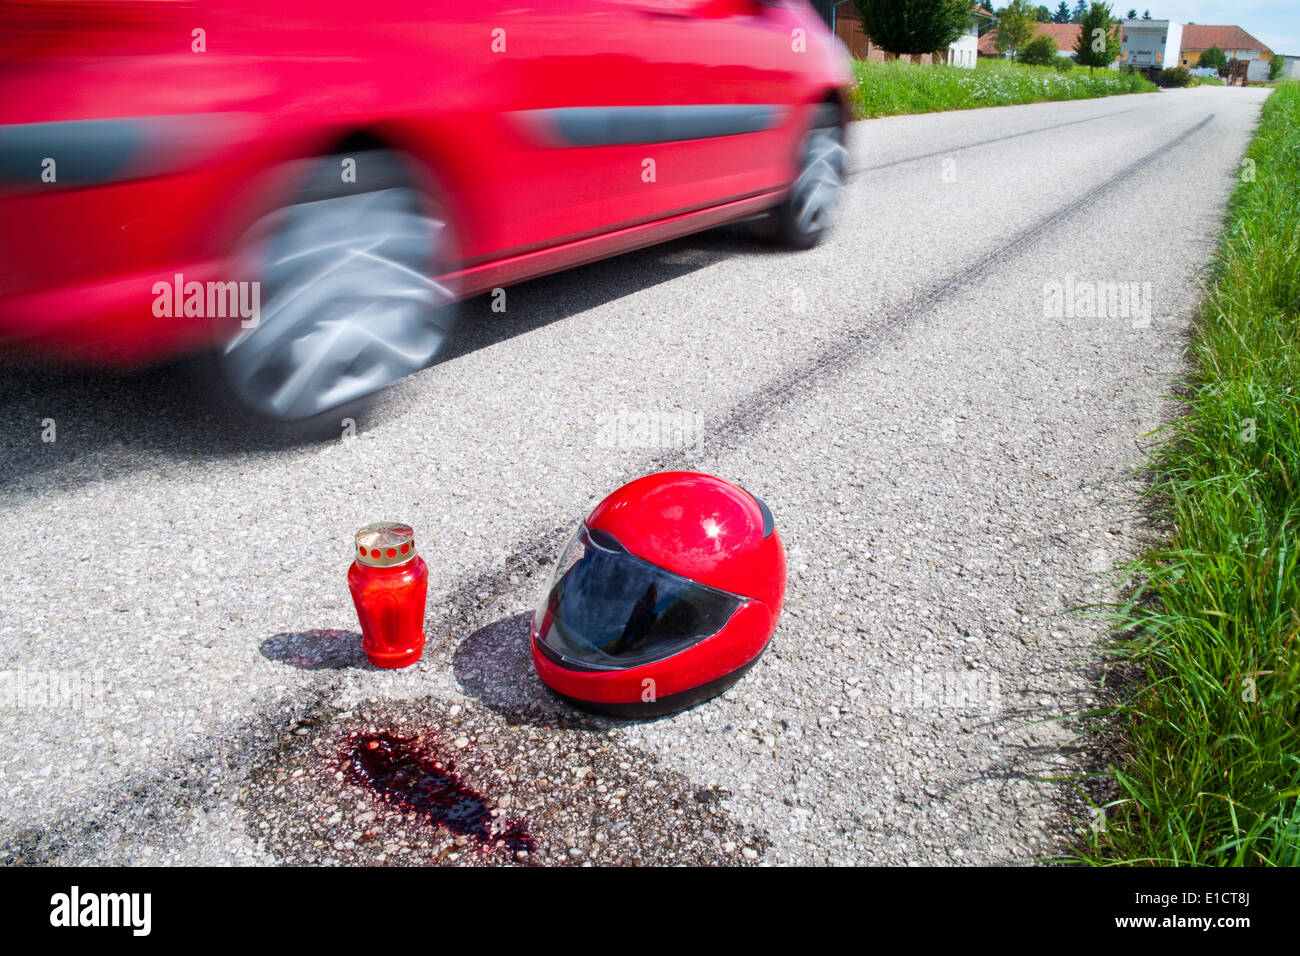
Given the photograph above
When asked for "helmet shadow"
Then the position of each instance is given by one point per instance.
(494, 666)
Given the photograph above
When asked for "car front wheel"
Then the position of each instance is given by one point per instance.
(806, 215)
(349, 303)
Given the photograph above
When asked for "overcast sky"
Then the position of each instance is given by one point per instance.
(1276, 22)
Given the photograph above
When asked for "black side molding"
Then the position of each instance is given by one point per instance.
(87, 153)
(623, 125)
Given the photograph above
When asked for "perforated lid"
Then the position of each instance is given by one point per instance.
(384, 544)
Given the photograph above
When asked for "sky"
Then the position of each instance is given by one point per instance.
(1276, 22)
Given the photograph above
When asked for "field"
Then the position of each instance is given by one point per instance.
(896, 87)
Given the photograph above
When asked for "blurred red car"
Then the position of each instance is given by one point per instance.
(302, 189)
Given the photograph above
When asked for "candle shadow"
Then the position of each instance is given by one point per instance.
(317, 650)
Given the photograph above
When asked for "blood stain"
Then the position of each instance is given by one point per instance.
(404, 774)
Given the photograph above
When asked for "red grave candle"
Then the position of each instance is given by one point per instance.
(389, 582)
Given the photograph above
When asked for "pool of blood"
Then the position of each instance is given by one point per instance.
(405, 774)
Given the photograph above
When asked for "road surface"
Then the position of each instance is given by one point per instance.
(944, 425)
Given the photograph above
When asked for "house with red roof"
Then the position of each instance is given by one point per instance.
(1232, 40)
(1158, 43)
(1066, 36)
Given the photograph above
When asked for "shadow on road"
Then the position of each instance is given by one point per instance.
(323, 650)
(111, 425)
(494, 666)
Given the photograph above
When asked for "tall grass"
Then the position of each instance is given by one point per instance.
(1210, 768)
(888, 89)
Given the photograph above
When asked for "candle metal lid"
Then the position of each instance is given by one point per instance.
(384, 544)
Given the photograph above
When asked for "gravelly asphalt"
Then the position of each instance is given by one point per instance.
(951, 468)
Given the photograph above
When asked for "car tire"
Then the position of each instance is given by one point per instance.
(348, 301)
(807, 213)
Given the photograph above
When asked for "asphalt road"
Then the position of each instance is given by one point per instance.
(949, 457)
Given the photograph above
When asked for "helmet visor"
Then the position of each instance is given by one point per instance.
(606, 609)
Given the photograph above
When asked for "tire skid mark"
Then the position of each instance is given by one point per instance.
(948, 151)
(492, 584)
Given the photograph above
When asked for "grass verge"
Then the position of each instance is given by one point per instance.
(889, 89)
(1210, 766)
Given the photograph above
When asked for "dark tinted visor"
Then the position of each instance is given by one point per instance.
(607, 609)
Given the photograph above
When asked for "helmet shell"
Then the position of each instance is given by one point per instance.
(699, 527)
(709, 531)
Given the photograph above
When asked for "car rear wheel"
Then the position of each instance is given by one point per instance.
(349, 304)
(806, 215)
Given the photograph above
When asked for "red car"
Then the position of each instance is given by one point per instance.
(301, 190)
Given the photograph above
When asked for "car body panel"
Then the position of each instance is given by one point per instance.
(536, 145)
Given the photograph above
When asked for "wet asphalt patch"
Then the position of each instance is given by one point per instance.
(425, 783)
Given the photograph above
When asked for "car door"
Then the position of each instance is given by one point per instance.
(615, 113)
(704, 107)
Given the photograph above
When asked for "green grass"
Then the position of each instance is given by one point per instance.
(888, 89)
(1209, 771)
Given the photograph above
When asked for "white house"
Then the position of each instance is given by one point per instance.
(965, 50)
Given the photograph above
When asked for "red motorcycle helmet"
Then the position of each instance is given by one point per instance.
(664, 597)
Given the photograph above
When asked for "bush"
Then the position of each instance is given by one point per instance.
(1175, 76)
(1214, 58)
(1063, 64)
(1040, 51)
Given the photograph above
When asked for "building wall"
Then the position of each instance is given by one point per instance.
(1257, 70)
(964, 51)
(825, 8)
(1193, 57)
(849, 29)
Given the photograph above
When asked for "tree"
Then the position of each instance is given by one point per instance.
(1214, 58)
(1099, 41)
(1146, 14)
(914, 26)
(1062, 14)
(1040, 51)
(1015, 27)
(1080, 10)
(1132, 14)
(1042, 14)
(1276, 67)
